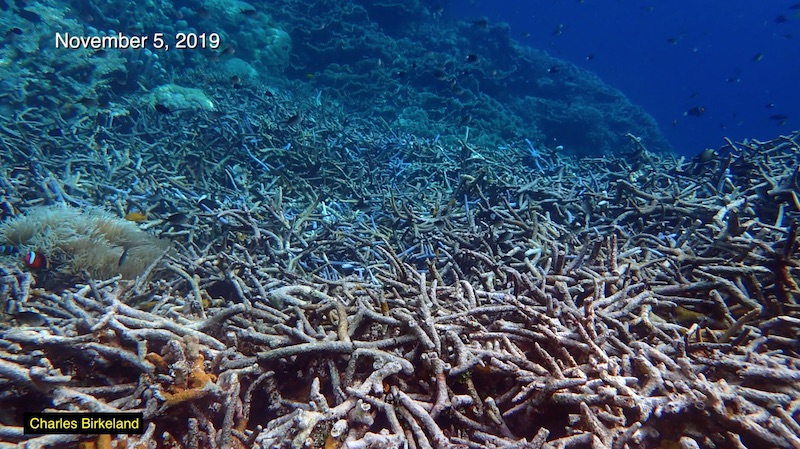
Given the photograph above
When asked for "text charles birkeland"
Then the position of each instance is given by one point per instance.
(83, 423)
(153, 41)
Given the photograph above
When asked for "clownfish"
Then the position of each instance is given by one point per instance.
(35, 260)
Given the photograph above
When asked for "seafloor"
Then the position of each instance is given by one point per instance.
(275, 270)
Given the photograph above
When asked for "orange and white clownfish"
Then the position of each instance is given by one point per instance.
(35, 260)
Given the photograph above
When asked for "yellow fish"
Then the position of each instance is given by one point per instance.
(135, 217)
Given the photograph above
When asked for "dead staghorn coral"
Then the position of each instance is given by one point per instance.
(561, 358)
(415, 295)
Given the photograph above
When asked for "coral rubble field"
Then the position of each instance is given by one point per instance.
(262, 265)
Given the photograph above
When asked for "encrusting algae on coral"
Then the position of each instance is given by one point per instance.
(199, 385)
(190, 380)
(157, 361)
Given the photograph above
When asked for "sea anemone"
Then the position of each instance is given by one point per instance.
(77, 240)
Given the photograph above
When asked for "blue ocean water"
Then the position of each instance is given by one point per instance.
(738, 60)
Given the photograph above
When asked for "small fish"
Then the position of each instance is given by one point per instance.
(589, 57)
(471, 58)
(30, 16)
(465, 120)
(526, 35)
(769, 105)
(706, 156)
(481, 23)
(672, 41)
(758, 57)
(795, 6)
(123, 257)
(135, 217)
(696, 111)
(440, 74)
(178, 218)
(294, 120)
(35, 260)
(29, 318)
(778, 117)
(553, 69)
(13, 32)
(248, 12)
(162, 109)
(558, 30)
(88, 102)
(207, 204)
(781, 19)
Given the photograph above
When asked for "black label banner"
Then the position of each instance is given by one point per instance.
(83, 423)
